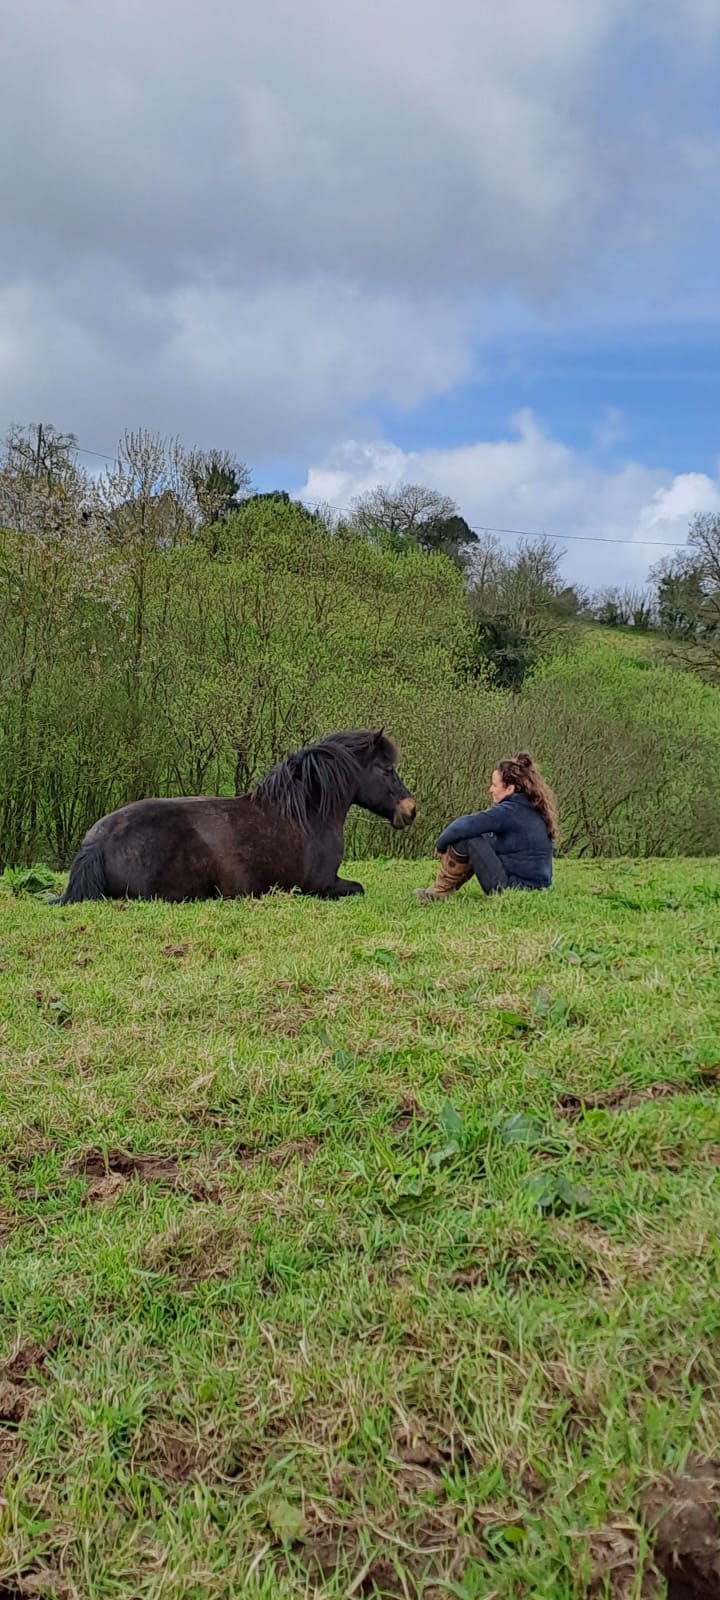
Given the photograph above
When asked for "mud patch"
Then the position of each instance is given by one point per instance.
(105, 1191)
(683, 1511)
(337, 1549)
(40, 1583)
(469, 1278)
(14, 1403)
(17, 1161)
(16, 1376)
(568, 1259)
(111, 1172)
(174, 1455)
(407, 1115)
(439, 1453)
(54, 1008)
(280, 1155)
(176, 951)
(681, 1514)
(622, 1098)
(614, 1555)
(29, 1358)
(162, 1170)
(428, 1561)
(420, 1467)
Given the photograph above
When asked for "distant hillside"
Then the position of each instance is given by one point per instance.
(143, 654)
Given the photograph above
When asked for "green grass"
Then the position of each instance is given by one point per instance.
(361, 1334)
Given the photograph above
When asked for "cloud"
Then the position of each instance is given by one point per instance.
(532, 481)
(286, 360)
(443, 140)
(245, 223)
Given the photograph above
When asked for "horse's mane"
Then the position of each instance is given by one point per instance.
(315, 780)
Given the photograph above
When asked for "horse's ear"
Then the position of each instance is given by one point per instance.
(379, 738)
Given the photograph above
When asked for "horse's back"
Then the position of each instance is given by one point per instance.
(196, 847)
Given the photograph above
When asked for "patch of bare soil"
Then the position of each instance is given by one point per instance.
(176, 1456)
(614, 1554)
(427, 1444)
(469, 1278)
(9, 1451)
(622, 1098)
(38, 1583)
(162, 1170)
(17, 1161)
(14, 1403)
(30, 1358)
(337, 1548)
(422, 1551)
(279, 1155)
(681, 1514)
(55, 1009)
(16, 1377)
(419, 1467)
(408, 1113)
(424, 1558)
(15, 1380)
(111, 1172)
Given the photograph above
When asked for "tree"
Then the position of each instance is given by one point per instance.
(624, 608)
(43, 491)
(39, 453)
(52, 576)
(681, 599)
(521, 610)
(688, 599)
(219, 481)
(412, 516)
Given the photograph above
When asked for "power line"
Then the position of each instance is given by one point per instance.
(82, 451)
(514, 533)
(535, 533)
(587, 538)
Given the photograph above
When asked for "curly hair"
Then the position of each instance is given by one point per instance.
(524, 777)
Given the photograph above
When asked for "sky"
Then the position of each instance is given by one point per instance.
(441, 241)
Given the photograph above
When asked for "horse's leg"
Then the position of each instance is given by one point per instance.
(326, 853)
(339, 889)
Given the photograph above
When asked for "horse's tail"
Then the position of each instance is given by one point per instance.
(88, 878)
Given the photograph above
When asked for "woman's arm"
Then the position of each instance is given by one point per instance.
(491, 821)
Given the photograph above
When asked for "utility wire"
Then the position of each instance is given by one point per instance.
(514, 533)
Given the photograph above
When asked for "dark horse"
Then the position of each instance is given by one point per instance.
(287, 834)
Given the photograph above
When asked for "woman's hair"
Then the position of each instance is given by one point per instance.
(525, 778)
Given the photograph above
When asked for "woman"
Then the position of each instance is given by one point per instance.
(508, 847)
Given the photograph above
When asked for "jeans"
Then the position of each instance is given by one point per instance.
(485, 862)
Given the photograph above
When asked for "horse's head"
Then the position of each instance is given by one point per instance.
(380, 788)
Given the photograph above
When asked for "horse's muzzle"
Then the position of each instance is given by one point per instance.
(405, 812)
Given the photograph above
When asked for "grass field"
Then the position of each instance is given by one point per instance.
(357, 1249)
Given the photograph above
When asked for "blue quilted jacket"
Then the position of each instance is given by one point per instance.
(520, 839)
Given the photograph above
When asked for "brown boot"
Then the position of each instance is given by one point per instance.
(453, 872)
